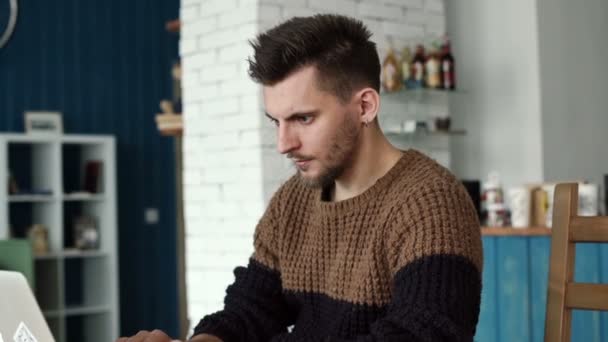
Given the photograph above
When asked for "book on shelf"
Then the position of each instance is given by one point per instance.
(93, 176)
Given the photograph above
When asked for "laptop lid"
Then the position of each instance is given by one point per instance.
(20, 316)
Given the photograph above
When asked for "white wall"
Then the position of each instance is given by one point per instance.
(574, 78)
(497, 66)
(231, 167)
(223, 190)
(536, 81)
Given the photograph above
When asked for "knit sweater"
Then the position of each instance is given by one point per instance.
(400, 262)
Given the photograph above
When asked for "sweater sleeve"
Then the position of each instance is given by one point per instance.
(434, 255)
(254, 306)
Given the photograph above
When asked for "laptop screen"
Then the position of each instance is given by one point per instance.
(20, 316)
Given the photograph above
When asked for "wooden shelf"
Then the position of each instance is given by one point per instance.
(173, 25)
(511, 231)
(170, 124)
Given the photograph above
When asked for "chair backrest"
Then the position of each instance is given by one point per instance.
(563, 294)
(16, 255)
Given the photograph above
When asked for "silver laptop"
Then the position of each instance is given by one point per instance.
(20, 317)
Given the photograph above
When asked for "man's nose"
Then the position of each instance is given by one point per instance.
(287, 140)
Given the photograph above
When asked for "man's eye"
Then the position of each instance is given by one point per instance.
(274, 121)
(305, 119)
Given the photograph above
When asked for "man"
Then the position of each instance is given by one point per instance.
(366, 242)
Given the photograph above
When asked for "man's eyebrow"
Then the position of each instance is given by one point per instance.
(311, 112)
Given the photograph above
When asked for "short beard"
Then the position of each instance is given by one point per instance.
(324, 180)
(340, 155)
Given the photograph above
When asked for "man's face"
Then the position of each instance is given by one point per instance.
(314, 129)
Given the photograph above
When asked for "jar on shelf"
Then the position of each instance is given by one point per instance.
(494, 211)
(497, 215)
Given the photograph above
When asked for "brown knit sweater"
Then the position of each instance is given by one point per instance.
(400, 262)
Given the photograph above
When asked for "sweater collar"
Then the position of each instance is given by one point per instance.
(370, 194)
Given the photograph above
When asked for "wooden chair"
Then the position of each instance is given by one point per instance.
(563, 293)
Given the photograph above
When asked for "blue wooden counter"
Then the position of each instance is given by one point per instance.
(514, 291)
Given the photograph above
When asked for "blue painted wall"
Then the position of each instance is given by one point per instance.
(105, 64)
(514, 293)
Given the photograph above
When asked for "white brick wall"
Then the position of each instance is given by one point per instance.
(231, 166)
(223, 189)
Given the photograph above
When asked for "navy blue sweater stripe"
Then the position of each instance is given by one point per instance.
(435, 298)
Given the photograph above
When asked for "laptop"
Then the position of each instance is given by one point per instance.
(20, 317)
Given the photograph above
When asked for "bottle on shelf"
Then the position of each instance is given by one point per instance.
(391, 72)
(406, 62)
(448, 72)
(417, 68)
(433, 72)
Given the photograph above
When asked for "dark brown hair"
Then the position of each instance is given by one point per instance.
(338, 46)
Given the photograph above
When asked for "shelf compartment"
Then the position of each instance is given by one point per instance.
(22, 215)
(33, 167)
(73, 210)
(47, 288)
(83, 168)
(90, 328)
(83, 279)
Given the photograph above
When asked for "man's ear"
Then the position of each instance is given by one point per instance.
(368, 103)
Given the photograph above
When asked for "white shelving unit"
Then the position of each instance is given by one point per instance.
(76, 289)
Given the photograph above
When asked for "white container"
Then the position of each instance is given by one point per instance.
(491, 191)
(550, 191)
(518, 200)
(588, 200)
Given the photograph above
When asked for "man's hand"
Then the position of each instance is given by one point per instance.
(148, 336)
(205, 338)
(159, 336)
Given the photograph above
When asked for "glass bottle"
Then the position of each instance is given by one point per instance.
(391, 72)
(417, 67)
(448, 72)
